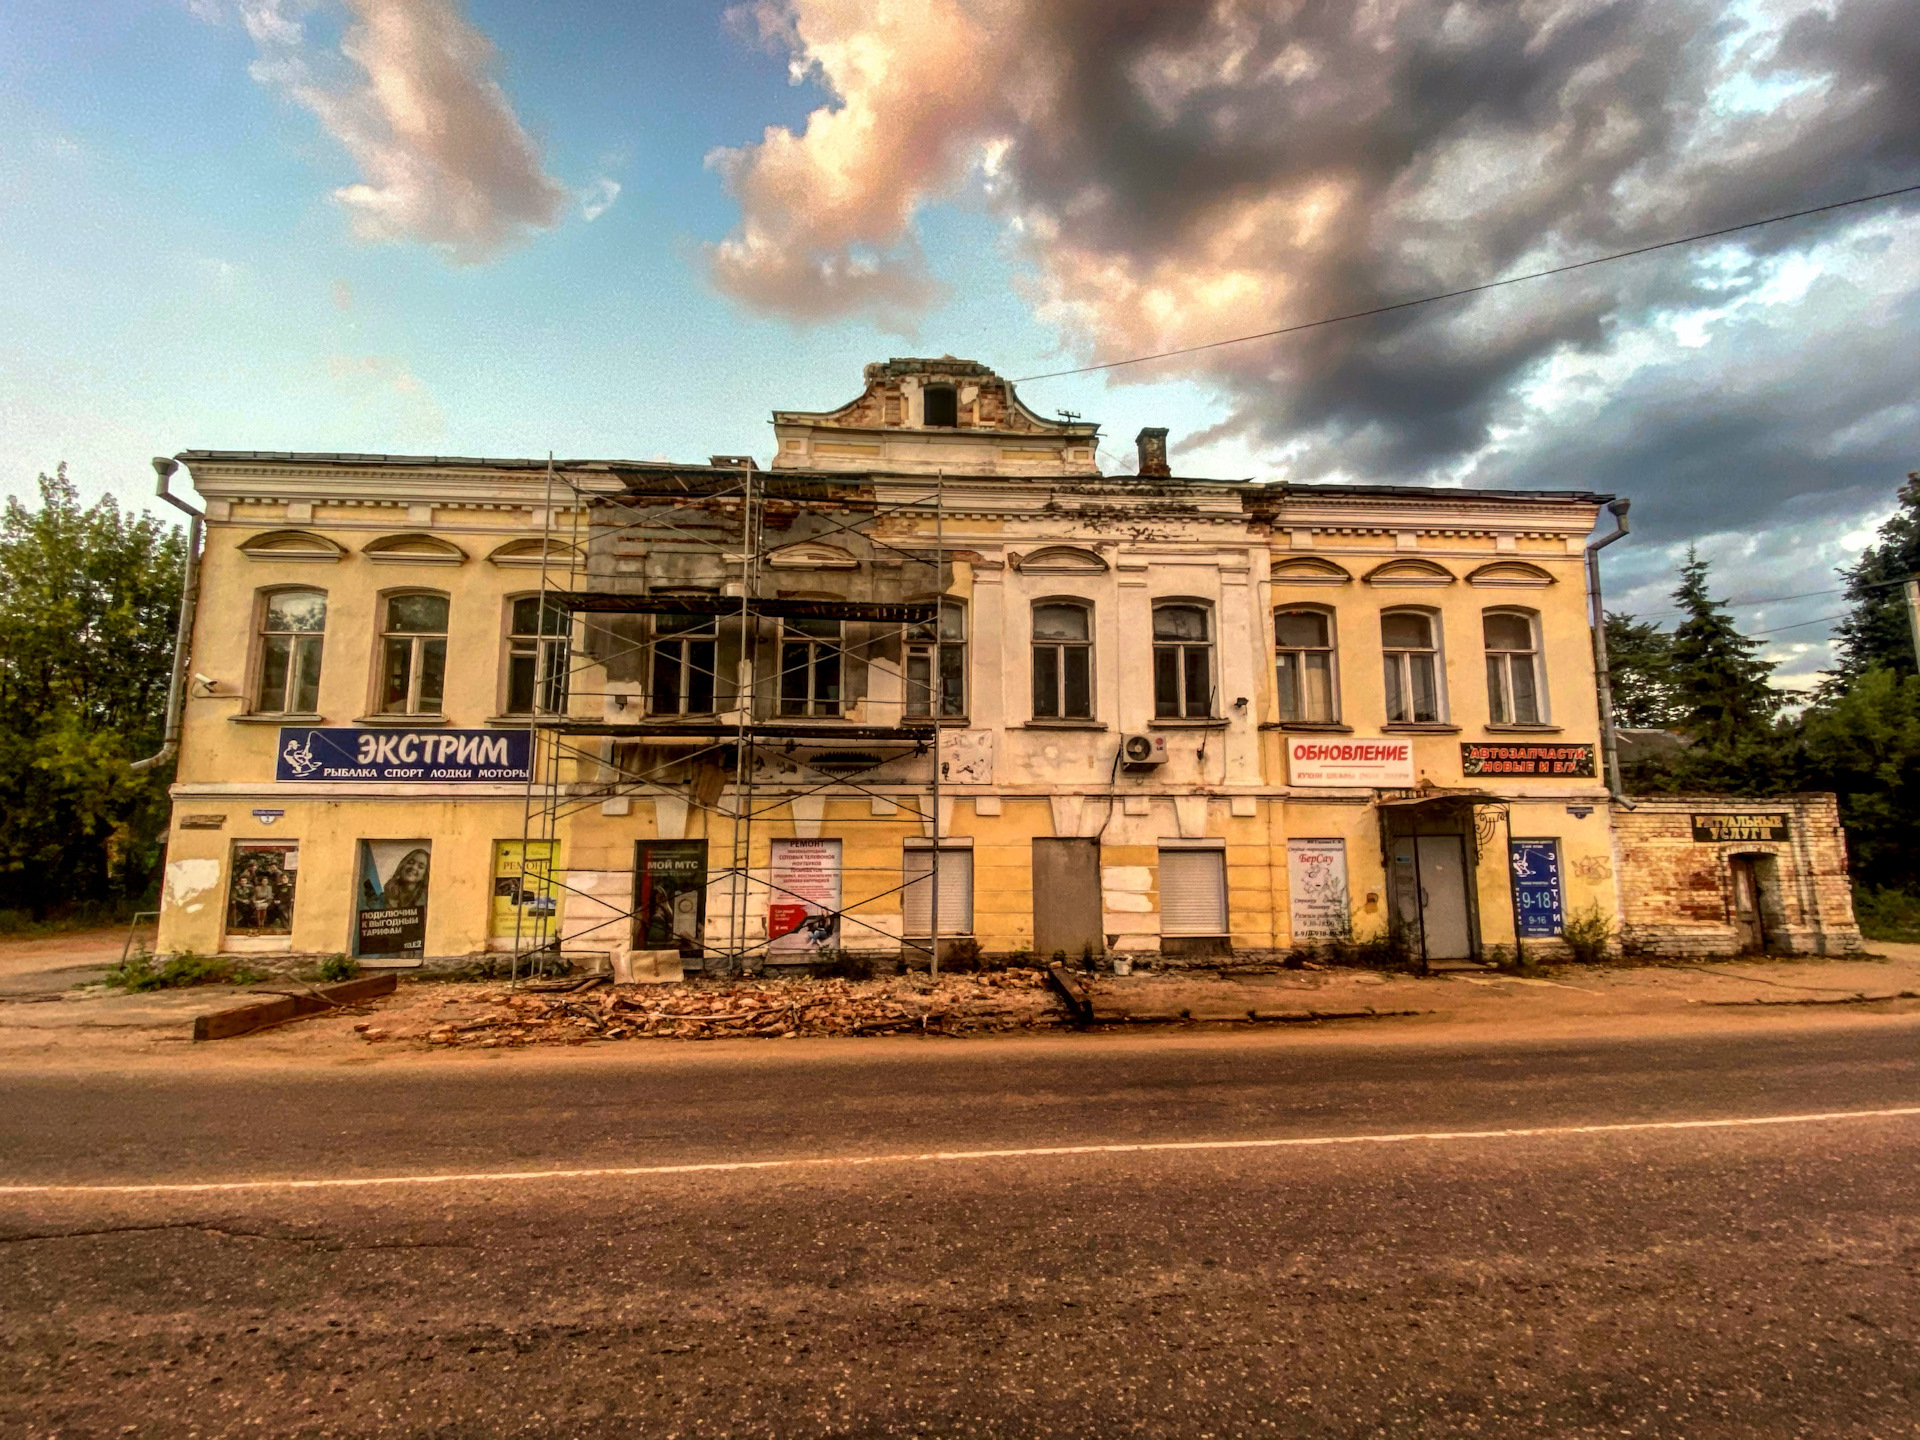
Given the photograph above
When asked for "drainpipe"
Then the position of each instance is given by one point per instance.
(1609, 746)
(189, 602)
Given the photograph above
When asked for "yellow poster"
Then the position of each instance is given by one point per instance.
(525, 899)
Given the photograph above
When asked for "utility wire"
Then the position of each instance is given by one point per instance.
(1777, 599)
(1469, 290)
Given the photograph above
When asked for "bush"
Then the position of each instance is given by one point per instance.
(139, 973)
(339, 967)
(1887, 914)
(1586, 934)
(1386, 949)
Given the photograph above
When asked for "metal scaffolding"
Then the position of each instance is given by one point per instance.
(660, 575)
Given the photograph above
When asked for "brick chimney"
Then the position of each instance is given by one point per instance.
(1153, 451)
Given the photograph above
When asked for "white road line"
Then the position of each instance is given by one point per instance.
(832, 1162)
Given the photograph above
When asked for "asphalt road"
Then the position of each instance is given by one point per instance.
(1726, 1280)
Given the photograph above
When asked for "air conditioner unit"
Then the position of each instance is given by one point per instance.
(1137, 752)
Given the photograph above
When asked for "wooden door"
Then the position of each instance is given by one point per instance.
(1066, 898)
(1746, 907)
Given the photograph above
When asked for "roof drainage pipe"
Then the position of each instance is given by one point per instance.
(189, 602)
(1609, 745)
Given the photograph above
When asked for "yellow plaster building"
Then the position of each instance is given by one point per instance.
(438, 707)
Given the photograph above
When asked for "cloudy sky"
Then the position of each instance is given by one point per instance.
(475, 227)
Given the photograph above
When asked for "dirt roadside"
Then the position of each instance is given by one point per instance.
(47, 1021)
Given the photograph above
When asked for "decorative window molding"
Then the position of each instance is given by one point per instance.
(1516, 574)
(413, 550)
(1415, 573)
(1060, 560)
(1310, 570)
(527, 553)
(299, 545)
(812, 555)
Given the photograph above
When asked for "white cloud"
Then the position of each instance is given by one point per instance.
(598, 198)
(411, 96)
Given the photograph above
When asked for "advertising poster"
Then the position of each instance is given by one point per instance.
(1539, 910)
(392, 919)
(669, 895)
(525, 899)
(412, 757)
(260, 889)
(1314, 760)
(1478, 758)
(1317, 882)
(803, 908)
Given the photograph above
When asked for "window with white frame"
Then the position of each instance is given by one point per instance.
(413, 661)
(1193, 892)
(537, 656)
(1513, 668)
(1409, 643)
(1303, 665)
(293, 626)
(810, 667)
(1062, 660)
(684, 647)
(956, 889)
(937, 664)
(1182, 662)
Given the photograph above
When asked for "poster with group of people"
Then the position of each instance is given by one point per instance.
(260, 889)
(391, 923)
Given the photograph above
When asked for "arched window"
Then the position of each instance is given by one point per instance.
(1513, 668)
(1062, 660)
(1410, 643)
(683, 663)
(413, 660)
(293, 626)
(1182, 662)
(809, 667)
(1303, 665)
(939, 405)
(937, 664)
(537, 659)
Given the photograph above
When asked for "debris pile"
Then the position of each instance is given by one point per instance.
(714, 1010)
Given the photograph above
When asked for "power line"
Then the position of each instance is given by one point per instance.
(1799, 625)
(1779, 599)
(1469, 290)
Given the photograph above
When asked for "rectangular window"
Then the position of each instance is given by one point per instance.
(683, 664)
(810, 667)
(1062, 662)
(956, 890)
(1182, 663)
(1513, 669)
(1303, 665)
(937, 664)
(260, 888)
(1412, 667)
(292, 631)
(537, 657)
(413, 670)
(1193, 892)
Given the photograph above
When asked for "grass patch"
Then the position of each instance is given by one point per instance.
(1887, 915)
(140, 973)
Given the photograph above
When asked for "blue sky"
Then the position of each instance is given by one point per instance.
(1029, 185)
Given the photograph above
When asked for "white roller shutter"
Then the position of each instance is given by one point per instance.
(1193, 892)
(956, 891)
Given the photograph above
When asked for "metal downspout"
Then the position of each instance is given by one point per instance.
(1609, 746)
(183, 633)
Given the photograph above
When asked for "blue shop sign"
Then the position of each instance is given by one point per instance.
(1539, 909)
(420, 757)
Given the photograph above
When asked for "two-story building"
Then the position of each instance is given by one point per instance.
(441, 706)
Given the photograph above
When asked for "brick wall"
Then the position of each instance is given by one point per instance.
(1676, 892)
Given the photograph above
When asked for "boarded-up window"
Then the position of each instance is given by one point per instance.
(1193, 892)
(956, 890)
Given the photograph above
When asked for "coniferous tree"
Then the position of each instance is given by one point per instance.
(1876, 631)
(1719, 683)
(1640, 674)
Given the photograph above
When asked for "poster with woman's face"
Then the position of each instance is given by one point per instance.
(260, 889)
(392, 919)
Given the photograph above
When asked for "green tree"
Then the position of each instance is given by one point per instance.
(88, 597)
(1640, 672)
(1719, 685)
(1876, 632)
(1864, 744)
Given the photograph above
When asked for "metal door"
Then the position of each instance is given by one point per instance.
(1746, 907)
(1066, 898)
(1430, 894)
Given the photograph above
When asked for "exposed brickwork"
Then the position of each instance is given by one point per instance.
(1676, 892)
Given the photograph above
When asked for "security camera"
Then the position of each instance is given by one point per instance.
(206, 680)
